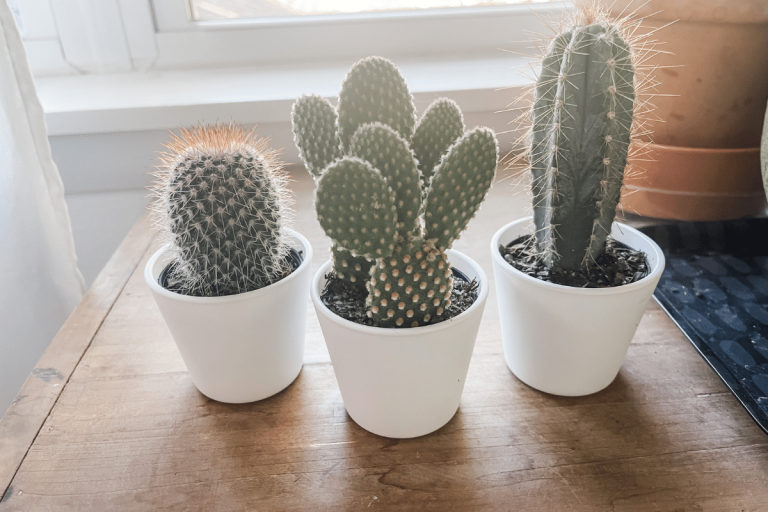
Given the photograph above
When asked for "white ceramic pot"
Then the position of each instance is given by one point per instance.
(402, 383)
(564, 340)
(239, 348)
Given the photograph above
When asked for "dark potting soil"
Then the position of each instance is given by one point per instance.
(348, 301)
(294, 259)
(618, 265)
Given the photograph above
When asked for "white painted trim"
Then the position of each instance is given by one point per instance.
(92, 35)
(46, 58)
(139, 29)
(440, 33)
(161, 100)
(172, 15)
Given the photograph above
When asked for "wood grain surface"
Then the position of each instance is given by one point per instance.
(129, 431)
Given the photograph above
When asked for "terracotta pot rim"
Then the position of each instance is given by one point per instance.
(703, 151)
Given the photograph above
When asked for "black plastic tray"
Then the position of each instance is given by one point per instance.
(715, 288)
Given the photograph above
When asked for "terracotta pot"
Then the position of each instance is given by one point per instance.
(714, 97)
(695, 184)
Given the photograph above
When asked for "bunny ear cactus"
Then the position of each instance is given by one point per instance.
(582, 117)
(370, 212)
(222, 203)
(394, 192)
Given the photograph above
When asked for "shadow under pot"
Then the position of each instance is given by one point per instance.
(244, 347)
(565, 340)
(405, 382)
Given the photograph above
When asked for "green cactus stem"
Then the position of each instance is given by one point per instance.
(439, 128)
(222, 204)
(582, 118)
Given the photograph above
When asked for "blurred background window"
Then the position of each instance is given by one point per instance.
(207, 10)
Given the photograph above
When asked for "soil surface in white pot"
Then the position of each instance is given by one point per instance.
(617, 266)
(292, 261)
(348, 301)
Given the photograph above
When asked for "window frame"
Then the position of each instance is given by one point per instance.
(420, 34)
(117, 36)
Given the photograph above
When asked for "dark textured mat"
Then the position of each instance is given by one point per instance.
(715, 288)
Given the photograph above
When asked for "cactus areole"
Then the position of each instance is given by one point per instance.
(222, 204)
(393, 194)
(582, 117)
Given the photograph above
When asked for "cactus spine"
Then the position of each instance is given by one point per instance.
(373, 201)
(222, 204)
(582, 117)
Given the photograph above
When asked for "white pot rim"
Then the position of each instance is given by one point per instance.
(615, 290)
(402, 332)
(155, 286)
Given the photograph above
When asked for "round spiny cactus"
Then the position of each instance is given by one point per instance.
(222, 204)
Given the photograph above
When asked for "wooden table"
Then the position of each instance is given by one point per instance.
(109, 420)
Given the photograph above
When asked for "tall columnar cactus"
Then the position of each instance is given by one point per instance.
(222, 204)
(582, 117)
(374, 201)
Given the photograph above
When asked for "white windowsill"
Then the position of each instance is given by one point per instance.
(160, 100)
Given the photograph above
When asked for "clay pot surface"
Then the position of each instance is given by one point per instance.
(709, 107)
(695, 184)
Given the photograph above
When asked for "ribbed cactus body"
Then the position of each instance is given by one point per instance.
(314, 132)
(375, 91)
(223, 204)
(582, 118)
(370, 201)
(411, 287)
(439, 128)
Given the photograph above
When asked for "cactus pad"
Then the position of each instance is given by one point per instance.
(356, 208)
(460, 185)
(385, 150)
(350, 268)
(314, 132)
(374, 90)
(440, 127)
(412, 287)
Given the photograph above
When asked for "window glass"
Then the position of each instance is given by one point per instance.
(206, 10)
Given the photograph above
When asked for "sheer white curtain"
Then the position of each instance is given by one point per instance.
(40, 284)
